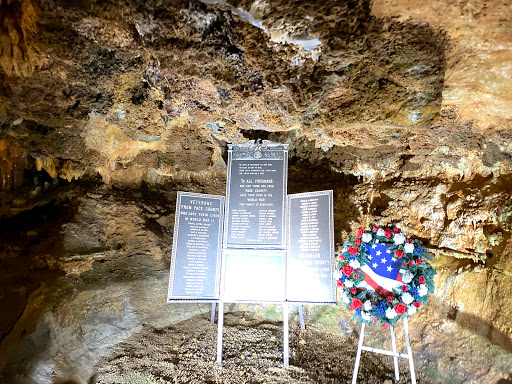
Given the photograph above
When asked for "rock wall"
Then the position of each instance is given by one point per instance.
(107, 109)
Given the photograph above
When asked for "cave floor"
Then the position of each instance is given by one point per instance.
(252, 353)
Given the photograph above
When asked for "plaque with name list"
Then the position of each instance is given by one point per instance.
(256, 195)
(261, 246)
(196, 250)
(310, 263)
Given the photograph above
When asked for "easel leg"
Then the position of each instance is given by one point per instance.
(301, 317)
(286, 346)
(358, 354)
(395, 359)
(219, 332)
(409, 351)
(212, 317)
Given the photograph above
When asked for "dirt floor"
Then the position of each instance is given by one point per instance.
(252, 353)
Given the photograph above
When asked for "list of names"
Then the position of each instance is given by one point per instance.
(310, 249)
(199, 223)
(310, 240)
(256, 202)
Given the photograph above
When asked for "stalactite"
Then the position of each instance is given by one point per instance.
(48, 164)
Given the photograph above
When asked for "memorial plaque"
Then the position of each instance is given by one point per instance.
(253, 275)
(196, 250)
(256, 195)
(310, 263)
(274, 248)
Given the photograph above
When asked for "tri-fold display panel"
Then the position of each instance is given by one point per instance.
(263, 246)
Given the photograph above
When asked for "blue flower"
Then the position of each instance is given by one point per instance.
(358, 311)
(379, 311)
(351, 257)
(414, 292)
(382, 305)
(343, 278)
(418, 251)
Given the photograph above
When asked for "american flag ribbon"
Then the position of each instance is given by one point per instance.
(382, 273)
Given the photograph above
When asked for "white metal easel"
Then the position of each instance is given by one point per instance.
(394, 353)
(286, 329)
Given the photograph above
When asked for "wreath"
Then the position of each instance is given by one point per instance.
(384, 290)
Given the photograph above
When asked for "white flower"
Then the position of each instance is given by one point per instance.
(336, 274)
(354, 264)
(368, 305)
(381, 232)
(407, 276)
(365, 316)
(367, 237)
(409, 248)
(411, 309)
(399, 238)
(407, 298)
(344, 249)
(345, 298)
(422, 290)
(391, 313)
(349, 283)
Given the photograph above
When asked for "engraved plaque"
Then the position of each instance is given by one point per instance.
(253, 275)
(195, 265)
(310, 263)
(256, 195)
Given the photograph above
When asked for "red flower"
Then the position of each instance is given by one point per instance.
(411, 263)
(339, 283)
(388, 235)
(417, 304)
(353, 250)
(356, 303)
(353, 291)
(404, 288)
(409, 240)
(422, 279)
(399, 253)
(385, 325)
(397, 230)
(347, 270)
(342, 257)
(358, 241)
(375, 320)
(387, 229)
(419, 261)
(375, 228)
(360, 232)
(400, 308)
(390, 299)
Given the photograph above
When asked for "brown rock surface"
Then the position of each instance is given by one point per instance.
(107, 109)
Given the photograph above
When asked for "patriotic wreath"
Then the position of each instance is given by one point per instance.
(383, 275)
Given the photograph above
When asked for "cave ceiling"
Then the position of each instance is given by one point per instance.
(150, 92)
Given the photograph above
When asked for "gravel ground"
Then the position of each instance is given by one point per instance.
(252, 353)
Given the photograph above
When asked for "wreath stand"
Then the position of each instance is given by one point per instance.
(394, 353)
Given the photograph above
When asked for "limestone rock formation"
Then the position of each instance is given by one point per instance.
(107, 109)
